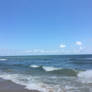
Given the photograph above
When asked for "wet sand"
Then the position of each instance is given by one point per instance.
(8, 86)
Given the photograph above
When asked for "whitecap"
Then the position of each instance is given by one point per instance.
(85, 76)
(2, 59)
(34, 66)
(47, 68)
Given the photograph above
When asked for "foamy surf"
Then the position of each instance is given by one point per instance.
(33, 82)
(29, 82)
(39, 73)
(85, 76)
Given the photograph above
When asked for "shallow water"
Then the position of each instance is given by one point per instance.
(56, 73)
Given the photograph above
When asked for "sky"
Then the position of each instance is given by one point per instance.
(34, 27)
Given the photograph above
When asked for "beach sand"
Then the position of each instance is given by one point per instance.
(8, 86)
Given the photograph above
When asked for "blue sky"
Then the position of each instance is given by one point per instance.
(45, 27)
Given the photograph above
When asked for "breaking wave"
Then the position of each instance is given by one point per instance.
(55, 70)
(85, 76)
(46, 68)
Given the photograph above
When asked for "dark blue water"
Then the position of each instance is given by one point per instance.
(51, 73)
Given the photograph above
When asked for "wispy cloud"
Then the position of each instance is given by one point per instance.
(79, 43)
(62, 45)
(76, 48)
(41, 51)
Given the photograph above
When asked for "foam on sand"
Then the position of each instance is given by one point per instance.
(29, 82)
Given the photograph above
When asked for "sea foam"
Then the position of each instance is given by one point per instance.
(85, 76)
(29, 82)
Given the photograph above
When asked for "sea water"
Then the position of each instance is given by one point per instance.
(49, 73)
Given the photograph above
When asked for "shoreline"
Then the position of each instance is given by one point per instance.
(8, 86)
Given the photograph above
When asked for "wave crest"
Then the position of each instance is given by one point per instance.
(3, 59)
(34, 66)
(56, 71)
(46, 68)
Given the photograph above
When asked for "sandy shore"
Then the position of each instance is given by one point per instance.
(8, 86)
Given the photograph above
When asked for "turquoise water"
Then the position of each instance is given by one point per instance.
(53, 73)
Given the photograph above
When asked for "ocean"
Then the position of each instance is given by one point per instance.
(49, 73)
